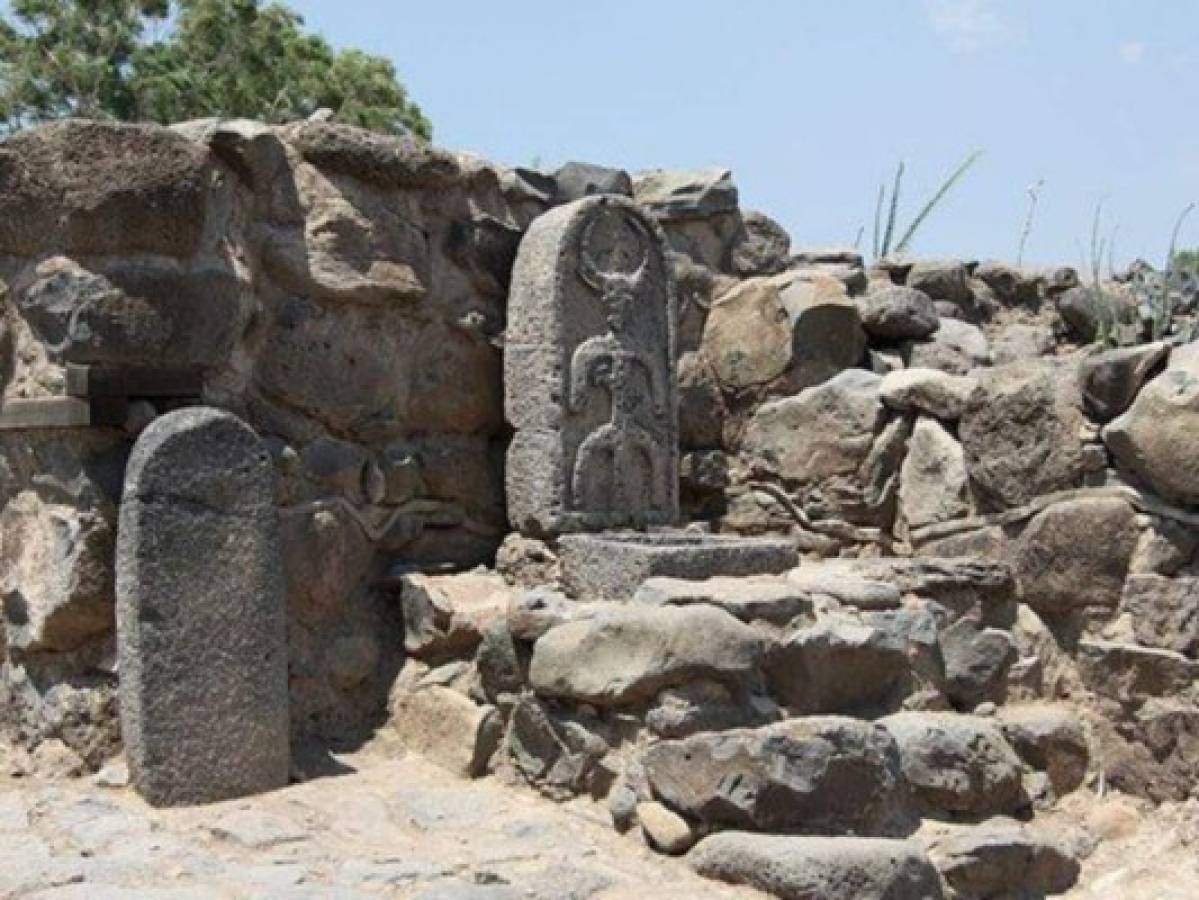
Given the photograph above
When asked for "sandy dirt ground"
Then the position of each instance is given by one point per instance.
(394, 826)
(386, 827)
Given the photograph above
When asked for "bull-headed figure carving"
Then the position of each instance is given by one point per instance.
(611, 361)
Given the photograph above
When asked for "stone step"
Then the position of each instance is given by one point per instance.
(802, 868)
(1001, 857)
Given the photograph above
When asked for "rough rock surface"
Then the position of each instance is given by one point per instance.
(897, 313)
(807, 672)
(1164, 611)
(1111, 379)
(799, 868)
(932, 481)
(927, 391)
(955, 347)
(957, 764)
(1003, 858)
(764, 249)
(1076, 554)
(976, 662)
(1151, 439)
(785, 333)
(1049, 739)
(818, 775)
(766, 598)
(823, 432)
(447, 728)
(54, 574)
(1020, 430)
(630, 653)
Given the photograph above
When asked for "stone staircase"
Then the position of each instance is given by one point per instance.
(891, 727)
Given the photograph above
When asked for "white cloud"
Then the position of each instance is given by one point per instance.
(1132, 52)
(965, 25)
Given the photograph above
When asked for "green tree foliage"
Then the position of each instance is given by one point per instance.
(170, 60)
(1187, 260)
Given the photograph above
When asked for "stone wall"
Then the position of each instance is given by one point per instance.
(341, 292)
(346, 295)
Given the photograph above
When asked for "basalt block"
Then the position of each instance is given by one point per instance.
(589, 373)
(612, 566)
(201, 621)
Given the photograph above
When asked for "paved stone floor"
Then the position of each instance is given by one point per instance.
(395, 828)
(389, 826)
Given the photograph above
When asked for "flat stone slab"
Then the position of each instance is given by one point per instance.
(611, 566)
(201, 621)
(765, 598)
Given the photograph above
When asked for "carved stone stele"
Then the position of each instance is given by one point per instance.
(201, 613)
(589, 384)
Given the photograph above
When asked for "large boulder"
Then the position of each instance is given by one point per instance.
(1089, 311)
(447, 728)
(807, 672)
(976, 662)
(927, 391)
(948, 580)
(823, 432)
(1022, 341)
(1076, 554)
(97, 188)
(1003, 858)
(839, 581)
(817, 775)
(897, 313)
(679, 194)
(696, 209)
(942, 279)
(309, 349)
(1020, 430)
(787, 332)
(446, 616)
(806, 868)
(955, 347)
(763, 249)
(1153, 439)
(764, 598)
(385, 161)
(326, 557)
(1130, 674)
(1164, 611)
(131, 313)
(1050, 739)
(631, 653)
(701, 408)
(55, 574)
(957, 764)
(932, 481)
(576, 180)
(1111, 380)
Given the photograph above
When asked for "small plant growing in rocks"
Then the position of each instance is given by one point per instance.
(884, 233)
(1162, 302)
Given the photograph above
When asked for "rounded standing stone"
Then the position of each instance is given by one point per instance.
(201, 622)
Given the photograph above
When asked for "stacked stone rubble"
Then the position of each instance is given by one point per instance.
(997, 516)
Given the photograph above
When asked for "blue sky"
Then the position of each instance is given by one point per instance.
(813, 102)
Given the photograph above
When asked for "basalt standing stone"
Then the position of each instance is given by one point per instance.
(201, 619)
(588, 373)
